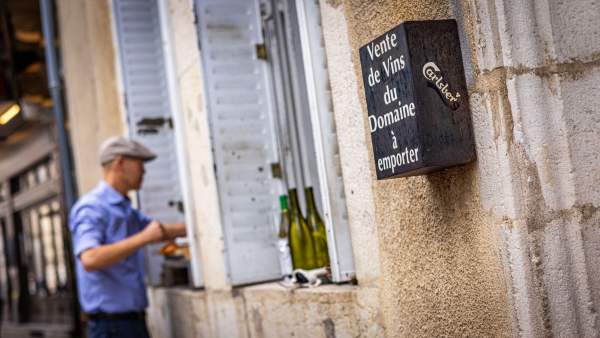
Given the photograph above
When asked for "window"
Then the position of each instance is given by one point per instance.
(34, 257)
(265, 79)
(148, 106)
(296, 43)
(44, 248)
(269, 108)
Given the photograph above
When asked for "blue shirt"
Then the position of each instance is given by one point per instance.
(104, 216)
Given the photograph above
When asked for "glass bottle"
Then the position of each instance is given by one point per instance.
(301, 240)
(317, 225)
(285, 256)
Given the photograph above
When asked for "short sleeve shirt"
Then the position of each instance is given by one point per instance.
(104, 216)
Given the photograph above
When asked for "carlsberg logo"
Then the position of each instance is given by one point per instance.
(432, 73)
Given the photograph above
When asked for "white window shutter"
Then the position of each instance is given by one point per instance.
(331, 185)
(149, 115)
(241, 114)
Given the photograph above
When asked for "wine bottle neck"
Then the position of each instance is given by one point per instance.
(310, 198)
(293, 200)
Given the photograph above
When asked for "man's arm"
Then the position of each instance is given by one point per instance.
(103, 256)
(174, 230)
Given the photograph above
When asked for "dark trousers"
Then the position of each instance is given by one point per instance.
(117, 328)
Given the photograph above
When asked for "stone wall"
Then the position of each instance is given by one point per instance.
(94, 106)
(262, 311)
(536, 101)
(441, 272)
(508, 245)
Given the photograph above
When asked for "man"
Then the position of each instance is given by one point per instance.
(108, 235)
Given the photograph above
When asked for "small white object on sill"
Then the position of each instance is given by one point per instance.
(306, 278)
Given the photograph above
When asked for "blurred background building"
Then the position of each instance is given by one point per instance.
(36, 280)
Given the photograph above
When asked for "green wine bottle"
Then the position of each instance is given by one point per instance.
(318, 228)
(285, 258)
(302, 244)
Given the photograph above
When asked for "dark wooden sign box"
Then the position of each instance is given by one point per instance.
(417, 100)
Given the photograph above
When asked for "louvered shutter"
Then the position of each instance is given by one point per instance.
(241, 115)
(149, 115)
(331, 184)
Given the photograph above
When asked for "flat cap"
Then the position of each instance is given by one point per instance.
(118, 145)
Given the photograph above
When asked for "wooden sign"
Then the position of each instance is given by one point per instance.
(417, 100)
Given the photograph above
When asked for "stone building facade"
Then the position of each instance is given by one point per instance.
(506, 246)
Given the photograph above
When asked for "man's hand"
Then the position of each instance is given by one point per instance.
(154, 232)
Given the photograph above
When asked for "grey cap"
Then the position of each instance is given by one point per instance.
(118, 145)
